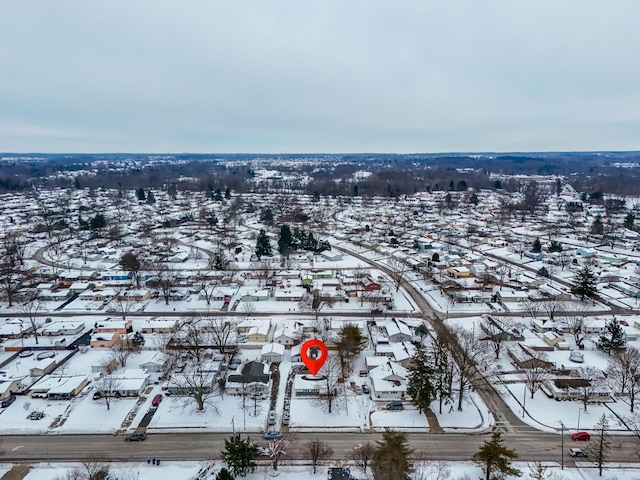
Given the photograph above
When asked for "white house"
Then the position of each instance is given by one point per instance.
(272, 352)
(389, 381)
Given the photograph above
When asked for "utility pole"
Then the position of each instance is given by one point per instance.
(562, 446)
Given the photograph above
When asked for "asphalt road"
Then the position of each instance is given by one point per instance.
(534, 446)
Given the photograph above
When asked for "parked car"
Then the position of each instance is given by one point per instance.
(271, 435)
(366, 389)
(136, 436)
(395, 406)
(358, 389)
(8, 401)
(271, 417)
(577, 452)
(581, 436)
(156, 400)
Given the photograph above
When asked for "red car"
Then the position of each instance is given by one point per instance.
(581, 436)
(156, 400)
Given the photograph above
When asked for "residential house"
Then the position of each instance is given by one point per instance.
(272, 352)
(9, 386)
(59, 328)
(259, 333)
(156, 325)
(255, 374)
(285, 335)
(389, 381)
(397, 331)
(573, 389)
(110, 325)
(554, 339)
(105, 340)
(59, 387)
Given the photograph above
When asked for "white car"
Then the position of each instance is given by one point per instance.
(577, 452)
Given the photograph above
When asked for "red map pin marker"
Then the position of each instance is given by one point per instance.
(314, 353)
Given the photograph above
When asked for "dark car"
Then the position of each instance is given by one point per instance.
(366, 389)
(271, 435)
(581, 436)
(136, 436)
(395, 406)
(8, 401)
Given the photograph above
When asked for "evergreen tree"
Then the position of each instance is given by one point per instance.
(421, 377)
(220, 261)
(349, 344)
(537, 246)
(151, 198)
(140, 194)
(285, 240)
(172, 191)
(391, 458)
(555, 246)
(238, 455)
(495, 458)
(310, 243)
(209, 192)
(629, 221)
(217, 196)
(97, 223)
(227, 193)
(597, 227)
(263, 245)
(131, 264)
(225, 474)
(600, 445)
(613, 339)
(266, 215)
(585, 283)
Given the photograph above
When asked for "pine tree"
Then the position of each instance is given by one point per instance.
(141, 195)
(613, 339)
(227, 193)
(585, 283)
(263, 245)
(217, 196)
(225, 474)
(537, 246)
(238, 455)
(421, 378)
(151, 198)
(494, 457)
(597, 227)
(285, 240)
(392, 457)
(629, 221)
(220, 261)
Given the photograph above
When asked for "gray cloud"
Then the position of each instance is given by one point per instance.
(332, 76)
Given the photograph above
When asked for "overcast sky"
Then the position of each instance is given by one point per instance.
(319, 76)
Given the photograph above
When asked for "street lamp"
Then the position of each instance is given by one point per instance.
(524, 400)
(578, 428)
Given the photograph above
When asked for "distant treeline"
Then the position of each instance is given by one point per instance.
(355, 174)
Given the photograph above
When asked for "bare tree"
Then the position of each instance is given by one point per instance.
(536, 374)
(330, 376)
(199, 373)
(470, 355)
(532, 308)
(425, 468)
(397, 271)
(593, 379)
(577, 323)
(207, 287)
(362, 455)
(495, 335)
(107, 388)
(564, 259)
(623, 373)
(222, 331)
(317, 452)
(315, 302)
(249, 308)
(123, 303)
(165, 280)
(551, 307)
(31, 308)
(274, 450)
(122, 350)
